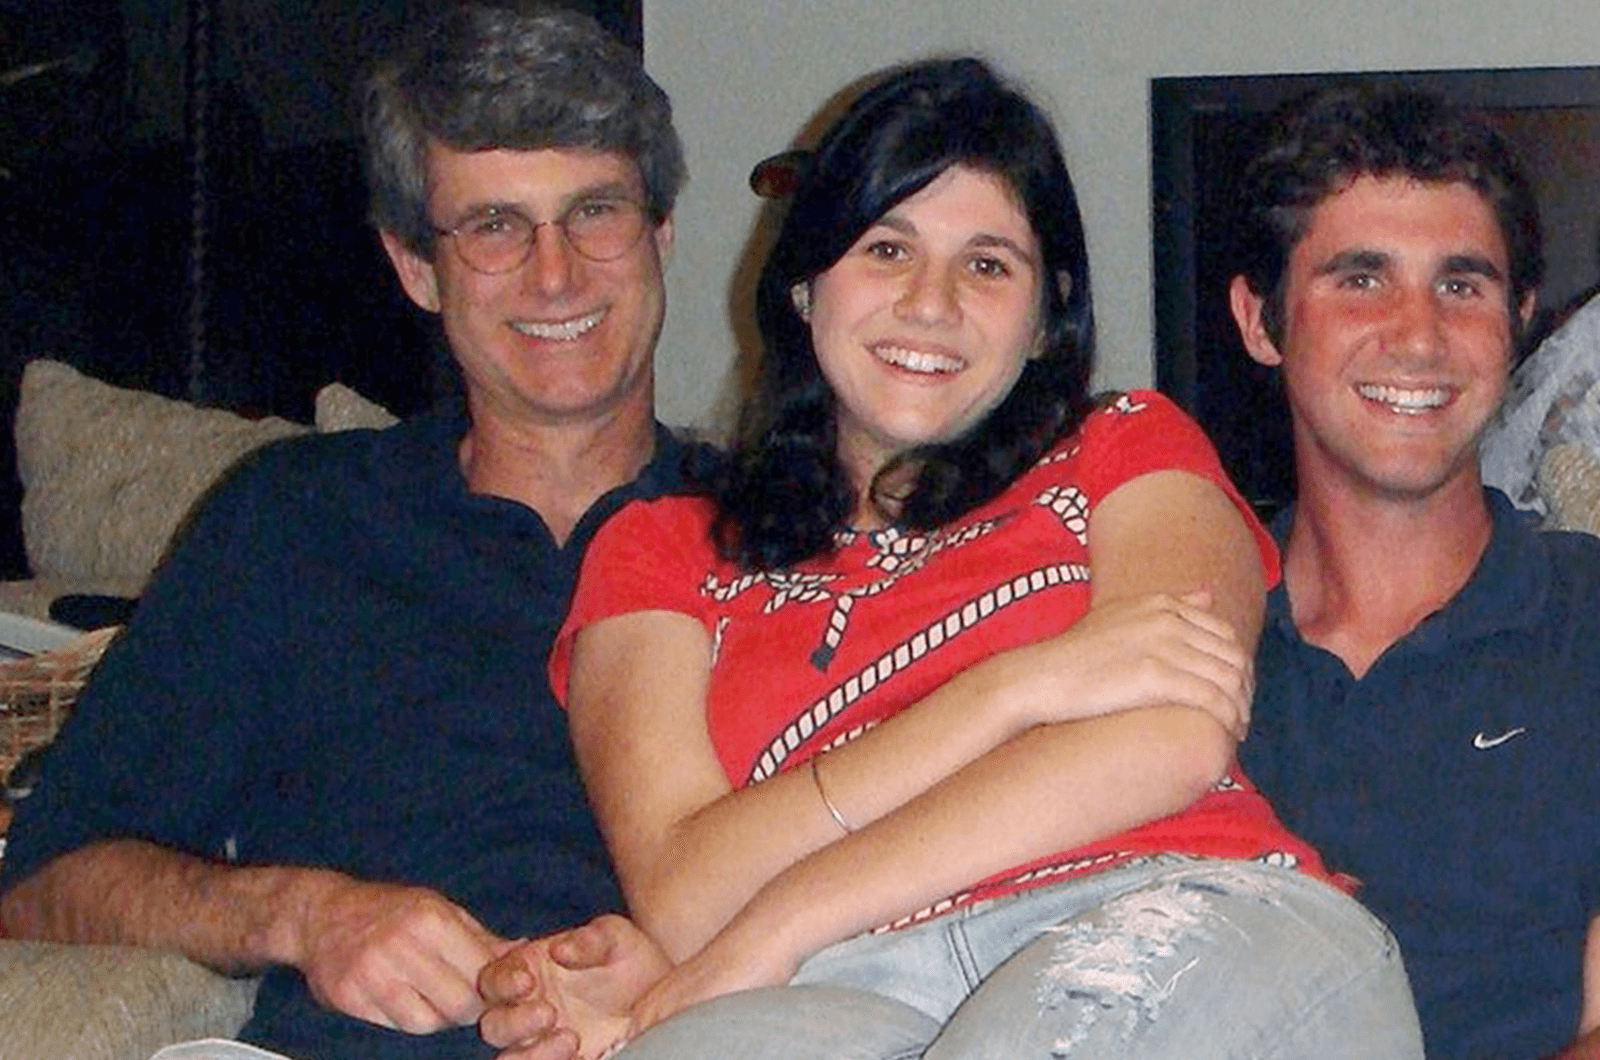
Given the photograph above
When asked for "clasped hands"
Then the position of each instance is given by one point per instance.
(409, 959)
(584, 993)
(569, 995)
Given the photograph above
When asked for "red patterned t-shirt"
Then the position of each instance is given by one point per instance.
(810, 657)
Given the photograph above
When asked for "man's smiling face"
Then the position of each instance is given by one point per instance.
(560, 338)
(1397, 335)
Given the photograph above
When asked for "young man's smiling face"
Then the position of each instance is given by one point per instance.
(1396, 337)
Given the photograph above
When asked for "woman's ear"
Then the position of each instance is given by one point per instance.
(1064, 285)
(800, 295)
(1064, 289)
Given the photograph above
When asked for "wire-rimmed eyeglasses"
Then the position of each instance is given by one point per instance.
(499, 238)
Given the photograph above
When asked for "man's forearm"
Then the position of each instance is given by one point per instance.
(129, 892)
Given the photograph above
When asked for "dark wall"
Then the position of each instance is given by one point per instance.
(250, 295)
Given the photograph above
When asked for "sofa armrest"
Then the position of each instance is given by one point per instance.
(110, 1002)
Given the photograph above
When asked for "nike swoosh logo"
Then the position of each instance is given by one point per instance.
(1486, 743)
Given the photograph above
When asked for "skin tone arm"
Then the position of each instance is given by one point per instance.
(1587, 1044)
(400, 957)
(974, 758)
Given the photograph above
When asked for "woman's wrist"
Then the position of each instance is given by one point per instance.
(1027, 681)
(761, 939)
(827, 801)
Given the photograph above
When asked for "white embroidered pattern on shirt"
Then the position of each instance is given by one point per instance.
(899, 554)
(1484, 742)
(904, 654)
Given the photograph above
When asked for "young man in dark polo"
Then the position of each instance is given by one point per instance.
(1428, 702)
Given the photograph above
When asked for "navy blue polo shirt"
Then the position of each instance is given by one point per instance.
(1458, 781)
(342, 664)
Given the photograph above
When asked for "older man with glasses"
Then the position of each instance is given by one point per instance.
(326, 748)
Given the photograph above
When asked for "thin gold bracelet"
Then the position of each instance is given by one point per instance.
(833, 811)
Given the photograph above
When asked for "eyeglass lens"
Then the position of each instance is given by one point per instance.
(598, 229)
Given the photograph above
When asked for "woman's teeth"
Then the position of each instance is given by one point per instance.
(918, 360)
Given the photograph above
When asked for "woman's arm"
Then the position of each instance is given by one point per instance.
(692, 853)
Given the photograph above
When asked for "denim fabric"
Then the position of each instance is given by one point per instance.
(1169, 958)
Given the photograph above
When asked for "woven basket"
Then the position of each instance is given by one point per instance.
(38, 692)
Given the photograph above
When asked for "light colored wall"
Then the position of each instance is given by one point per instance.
(745, 76)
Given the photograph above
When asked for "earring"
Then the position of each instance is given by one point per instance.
(800, 295)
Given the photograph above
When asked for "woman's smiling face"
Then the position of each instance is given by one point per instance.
(923, 326)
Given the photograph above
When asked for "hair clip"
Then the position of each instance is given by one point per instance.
(777, 177)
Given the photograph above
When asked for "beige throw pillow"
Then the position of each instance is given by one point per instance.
(341, 409)
(108, 474)
(1569, 482)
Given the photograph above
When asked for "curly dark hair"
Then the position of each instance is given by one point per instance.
(783, 494)
(1322, 141)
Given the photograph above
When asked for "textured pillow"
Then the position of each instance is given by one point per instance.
(108, 474)
(341, 409)
(1569, 482)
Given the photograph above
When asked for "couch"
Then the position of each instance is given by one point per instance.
(108, 474)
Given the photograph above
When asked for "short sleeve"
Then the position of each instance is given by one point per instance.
(651, 556)
(1141, 432)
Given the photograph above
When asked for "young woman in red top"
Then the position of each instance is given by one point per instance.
(924, 718)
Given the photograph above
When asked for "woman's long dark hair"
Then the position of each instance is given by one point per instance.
(783, 493)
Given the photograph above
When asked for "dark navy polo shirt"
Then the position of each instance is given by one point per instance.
(1458, 780)
(342, 664)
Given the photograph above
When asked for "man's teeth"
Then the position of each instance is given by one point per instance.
(565, 330)
(918, 360)
(1410, 402)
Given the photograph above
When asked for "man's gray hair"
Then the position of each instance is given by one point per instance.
(478, 77)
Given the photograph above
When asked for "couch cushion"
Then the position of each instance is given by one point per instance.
(1569, 482)
(109, 1002)
(108, 474)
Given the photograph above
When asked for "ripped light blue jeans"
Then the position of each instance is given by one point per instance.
(1171, 958)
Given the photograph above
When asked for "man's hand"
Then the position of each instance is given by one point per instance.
(570, 994)
(401, 957)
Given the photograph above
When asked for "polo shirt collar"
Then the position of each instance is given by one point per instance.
(1507, 590)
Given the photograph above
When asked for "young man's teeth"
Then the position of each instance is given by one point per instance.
(918, 360)
(567, 329)
(1407, 401)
